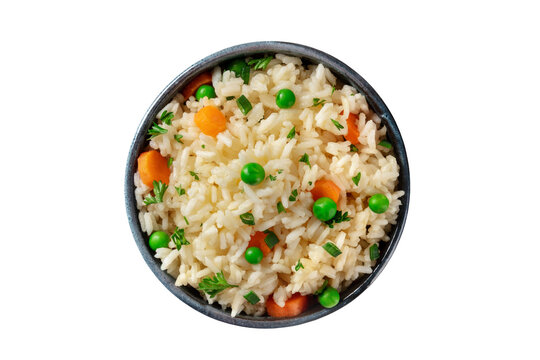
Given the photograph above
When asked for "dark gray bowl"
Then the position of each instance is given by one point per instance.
(309, 55)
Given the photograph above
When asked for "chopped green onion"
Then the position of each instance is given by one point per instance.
(166, 117)
(305, 159)
(194, 174)
(356, 179)
(244, 105)
(332, 249)
(310, 183)
(170, 161)
(185, 219)
(178, 238)
(179, 190)
(333, 89)
(337, 124)
(156, 130)
(298, 266)
(260, 64)
(252, 298)
(338, 218)
(291, 133)
(178, 138)
(229, 98)
(353, 148)
(321, 289)
(247, 218)
(386, 144)
(159, 191)
(280, 208)
(374, 252)
(244, 74)
(280, 171)
(271, 239)
(293, 195)
(203, 146)
(317, 101)
(272, 177)
(213, 286)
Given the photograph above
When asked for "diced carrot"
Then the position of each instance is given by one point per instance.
(210, 120)
(152, 166)
(294, 306)
(191, 88)
(352, 129)
(257, 240)
(325, 188)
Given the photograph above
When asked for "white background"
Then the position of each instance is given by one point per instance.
(462, 80)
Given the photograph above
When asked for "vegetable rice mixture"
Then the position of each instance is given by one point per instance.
(267, 184)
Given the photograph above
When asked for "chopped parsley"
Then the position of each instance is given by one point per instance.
(166, 117)
(356, 179)
(159, 190)
(194, 174)
(292, 133)
(332, 249)
(298, 266)
(338, 218)
(252, 298)
(156, 130)
(247, 218)
(215, 285)
(293, 195)
(280, 208)
(305, 159)
(179, 238)
(178, 138)
(260, 64)
(179, 190)
(337, 124)
(317, 101)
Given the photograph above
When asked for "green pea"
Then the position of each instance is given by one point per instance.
(205, 91)
(253, 255)
(285, 98)
(378, 203)
(158, 239)
(324, 208)
(252, 174)
(329, 297)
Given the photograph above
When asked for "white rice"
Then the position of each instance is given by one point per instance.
(213, 204)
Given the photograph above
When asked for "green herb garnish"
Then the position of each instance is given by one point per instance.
(321, 289)
(178, 138)
(159, 190)
(185, 219)
(374, 252)
(356, 179)
(338, 125)
(213, 286)
(298, 266)
(310, 183)
(179, 238)
(386, 144)
(280, 171)
(170, 161)
(280, 208)
(305, 159)
(156, 130)
(333, 89)
(338, 218)
(292, 133)
(244, 105)
(166, 117)
(332, 249)
(272, 177)
(247, 218)
(194, 174)
(353, 148)
(252, 298)
(317, 101)
(271, 239)
(179, 190)
(293, 195)
(260, 64)
(203, 146)
(229, 98)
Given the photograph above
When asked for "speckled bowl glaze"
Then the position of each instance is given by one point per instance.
(190, 295)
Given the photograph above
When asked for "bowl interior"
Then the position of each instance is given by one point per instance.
(346, 75)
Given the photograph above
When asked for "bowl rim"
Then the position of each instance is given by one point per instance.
(340, 70)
